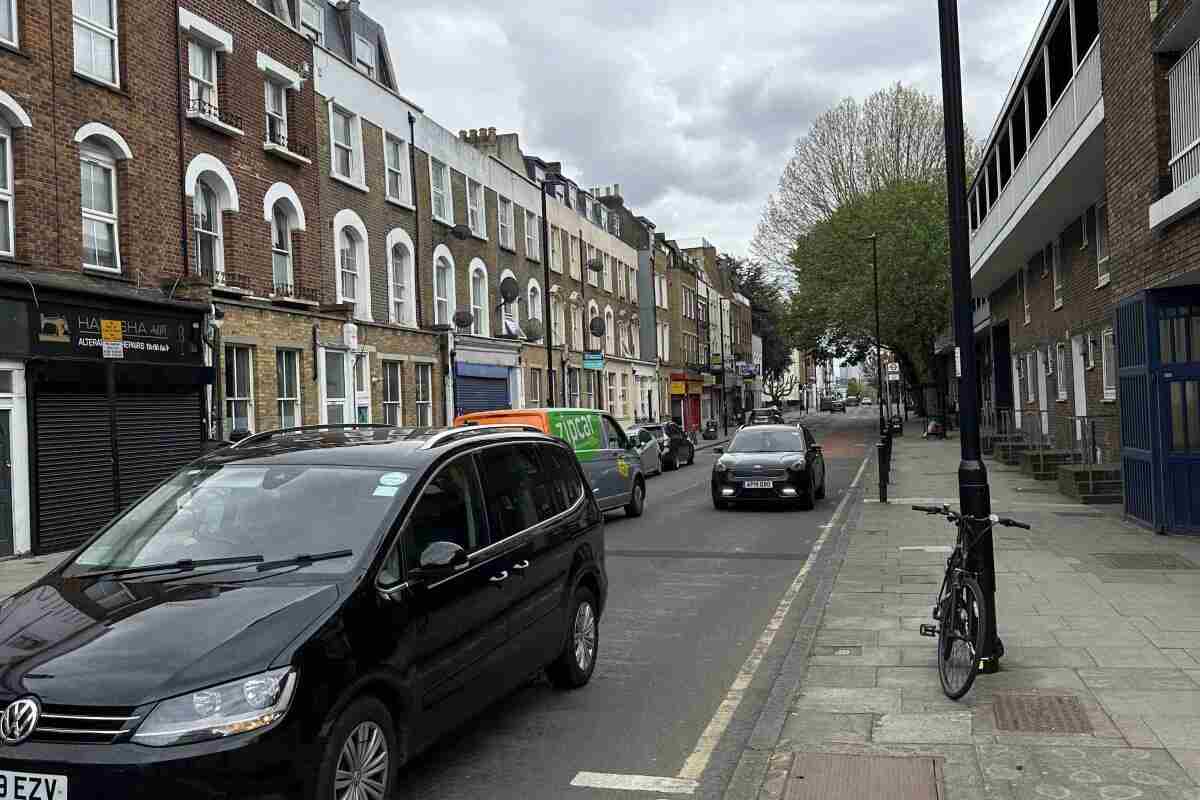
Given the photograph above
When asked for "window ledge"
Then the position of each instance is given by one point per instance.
(279, 151)
(288, 300)
(103, 84)
(1105, 281)
(209, 121)
(1109, 399)
(362, 187)
(444, 221)
(508, 248)
(109, 274)
(401, 203)
(234, 291)
(1182, 201)
(15, 49)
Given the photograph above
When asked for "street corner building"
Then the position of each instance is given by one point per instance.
(221, 217)
(1083, 229)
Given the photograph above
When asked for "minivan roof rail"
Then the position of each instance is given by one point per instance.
(455, 434)
(271, 434)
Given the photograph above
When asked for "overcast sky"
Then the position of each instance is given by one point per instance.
(692, 106)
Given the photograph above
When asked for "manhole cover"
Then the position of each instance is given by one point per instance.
(1032, 713)
(1151, 561)
(826, 776)
(838, 650)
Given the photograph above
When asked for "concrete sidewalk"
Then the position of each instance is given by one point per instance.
(1101, 624)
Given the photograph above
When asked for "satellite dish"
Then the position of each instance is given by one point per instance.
(509, 289)
(597, 326)
(463, 319)
(533, 329)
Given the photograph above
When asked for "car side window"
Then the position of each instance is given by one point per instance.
(645, 437)
(563, 470)
(613, 433)
(674, 432)
(808, 438)
(520, 490)
(450, 509)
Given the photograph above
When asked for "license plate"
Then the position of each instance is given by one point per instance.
(760, 484)
(31, 786)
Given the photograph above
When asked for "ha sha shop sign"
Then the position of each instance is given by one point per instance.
(70, 331)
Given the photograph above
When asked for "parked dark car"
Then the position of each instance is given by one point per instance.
(675, 447)
(837, 406)
(306, 610)
(852, 401)
(769, 463)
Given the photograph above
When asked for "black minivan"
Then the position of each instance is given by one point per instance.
(298, 615)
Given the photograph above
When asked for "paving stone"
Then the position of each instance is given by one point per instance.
(848, 700)
(902, 638)
(1175, 731)
(1148, 704)
(1135, 731)
(1189, 760)
(908, 676)
(843, 677)
(1172, 622)
(810, 729)
(950, 727)
(1179, 640)
(1018, 657)
(1102, 773)
(930, 699)
(861, 623)
(869, 657)
(1140, 657)
(1144, 679)
(1109, 638)
(1182, 659)
(837, 637)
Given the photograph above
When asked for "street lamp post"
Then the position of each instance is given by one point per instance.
(883, 450)
(974, 496)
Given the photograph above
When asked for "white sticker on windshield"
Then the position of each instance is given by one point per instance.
(386, 491)
(393, 479)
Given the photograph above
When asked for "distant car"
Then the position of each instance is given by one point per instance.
(764, 416)
(838, 406)
(866, 401)
(826, 404)
(852, 401)
(769, 463)
(675, 449)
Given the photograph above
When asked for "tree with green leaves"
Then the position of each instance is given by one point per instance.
(767, 309)
(853, 389)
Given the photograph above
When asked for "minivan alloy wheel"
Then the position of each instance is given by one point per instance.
(362, 766)
(585, 636)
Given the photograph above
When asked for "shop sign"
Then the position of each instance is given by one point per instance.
(74, 331)
(593, 359)
(710, 380)
(678, 387)
(695, 387)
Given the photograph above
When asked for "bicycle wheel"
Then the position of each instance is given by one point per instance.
(961, 635)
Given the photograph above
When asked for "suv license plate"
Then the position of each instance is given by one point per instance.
(30, 786)
(760, 484)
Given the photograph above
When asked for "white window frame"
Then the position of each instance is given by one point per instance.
(445, 190)
(558, 321)
(199, 53)
(573, 257)
(280, 214)
(319, 30)
(533, 245)
(480, 312)
(279, 118)
(533, 299)
(448, 299)
(360, 373)
(610, 337)
(396, 404)
(533, 388)
(401, 302)
(105, 161)
(398, 171)
(345, 400)
(368, 66)
(556, 249)
(1023, 278)
(1056, 273)
(216, 232)
(1030, 373)
(357, 176)
(611, 395)
(504, 214)
(1060, 358)
(1049, 360)
(476, 209)
(1103, 275)
(12, 24)
(1091, 349)
(281, 355)
(577, 328)
(344, 235)
(594, 342)
(113, 35)
(1108, 366)
(620, 270)
(423, 388)
(7, 192)
(248, 399)
(608, 277)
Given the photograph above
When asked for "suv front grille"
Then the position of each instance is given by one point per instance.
(759, 474)
(84, 724)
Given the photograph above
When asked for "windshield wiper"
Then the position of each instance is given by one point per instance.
(182, 565)
(303, 559)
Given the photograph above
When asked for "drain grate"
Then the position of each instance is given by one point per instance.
(1150, 561)
(1032, 713)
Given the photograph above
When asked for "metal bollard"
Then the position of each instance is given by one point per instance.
(883, 456)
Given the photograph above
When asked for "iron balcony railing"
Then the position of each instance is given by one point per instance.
(291, 145)
(1090, 439)
(203, 108)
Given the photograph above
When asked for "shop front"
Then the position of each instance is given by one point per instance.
(101, 398)
(486, 374)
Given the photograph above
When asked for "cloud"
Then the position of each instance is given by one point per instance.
(692, 107)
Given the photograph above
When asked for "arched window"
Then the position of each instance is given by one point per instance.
(558, 321)
(349, 251)
(444, 304)
(281, 249)
(99, 205)
(594, 342)
(535, 302)
(610, 345)
(210, 253)
(7, 223)
(577, 327)
(480, 324)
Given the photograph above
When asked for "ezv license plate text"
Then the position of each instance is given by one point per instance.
(27, 786)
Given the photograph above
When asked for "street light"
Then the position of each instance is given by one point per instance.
(874, 239)
(974, 495)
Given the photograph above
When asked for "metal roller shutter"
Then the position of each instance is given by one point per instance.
(481, 394)
(75, 492)
(156, 435)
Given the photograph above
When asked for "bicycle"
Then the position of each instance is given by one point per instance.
(961, 612)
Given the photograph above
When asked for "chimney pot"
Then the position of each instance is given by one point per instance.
(491, 133)
(462, 134)
(473, 134)
(616, 188)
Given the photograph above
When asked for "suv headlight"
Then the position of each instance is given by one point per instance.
(796, 465)
(237, 707)
(721, 466)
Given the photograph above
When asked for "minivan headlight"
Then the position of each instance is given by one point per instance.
(721, 466)
(236, 707)
(797, 465)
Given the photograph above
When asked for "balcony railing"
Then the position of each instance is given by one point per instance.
(205, 110)
(1090, 440)
(1077, 101)
(291, 145)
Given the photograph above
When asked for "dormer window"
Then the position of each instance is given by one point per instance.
(364, 56)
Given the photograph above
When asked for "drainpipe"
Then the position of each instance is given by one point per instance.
(183, 220)
(547, 329)
(412, 171)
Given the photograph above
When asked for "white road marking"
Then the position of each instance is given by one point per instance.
(697, 762)
(633, 783)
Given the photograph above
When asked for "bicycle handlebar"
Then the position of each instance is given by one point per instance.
(930, 509)
(1012, 523)
(945, 511)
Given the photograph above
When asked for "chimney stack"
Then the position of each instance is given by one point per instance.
(492, 134)
(462, 135)
(617, 189)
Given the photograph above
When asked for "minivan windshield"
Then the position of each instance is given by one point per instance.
(768, 441)
(273, 511)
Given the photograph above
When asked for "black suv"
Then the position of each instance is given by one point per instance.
(298, 615)
(676, 448)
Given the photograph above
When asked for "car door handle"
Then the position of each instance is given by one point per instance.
(520, 566)
(499, 579)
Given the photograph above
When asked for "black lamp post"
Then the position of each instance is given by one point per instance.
(874, 239)
(974, 495)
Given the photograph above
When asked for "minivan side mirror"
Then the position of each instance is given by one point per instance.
(440, 560)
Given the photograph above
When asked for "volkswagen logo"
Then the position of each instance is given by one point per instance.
(19, 720)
